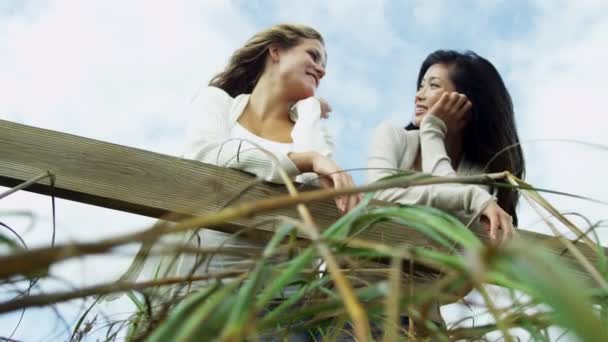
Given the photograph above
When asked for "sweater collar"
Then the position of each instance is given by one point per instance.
(240, 102)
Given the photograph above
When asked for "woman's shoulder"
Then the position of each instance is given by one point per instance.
(388, 126)
(215, 94)
(388, 133)
(215, 101)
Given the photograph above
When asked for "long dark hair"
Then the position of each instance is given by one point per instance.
(247, 63)
(491, 127)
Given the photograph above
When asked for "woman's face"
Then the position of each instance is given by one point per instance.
(301, 68)
(435, 82)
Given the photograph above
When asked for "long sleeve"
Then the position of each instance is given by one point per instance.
(309, 133)
(390, 150)
(209, 139)
(435, 159)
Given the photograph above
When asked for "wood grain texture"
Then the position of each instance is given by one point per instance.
(152, 184)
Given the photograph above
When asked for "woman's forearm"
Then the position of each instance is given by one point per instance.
(304, 161)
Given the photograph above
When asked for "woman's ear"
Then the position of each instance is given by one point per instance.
(274, 51)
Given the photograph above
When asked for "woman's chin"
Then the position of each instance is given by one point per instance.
(310, 91)
(303, 93)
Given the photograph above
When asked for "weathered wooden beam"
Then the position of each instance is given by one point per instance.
(153, 184)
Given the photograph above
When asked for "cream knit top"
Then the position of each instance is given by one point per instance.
(393, 148)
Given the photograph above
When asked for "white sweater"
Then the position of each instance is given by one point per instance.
(210, 140)
(215, 137)
(393, 148)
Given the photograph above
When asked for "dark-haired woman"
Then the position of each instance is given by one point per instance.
(463, 119)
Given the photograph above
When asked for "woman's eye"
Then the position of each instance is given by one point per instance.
(434, 85)
(313, 55)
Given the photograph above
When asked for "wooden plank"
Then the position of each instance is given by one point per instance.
(152, 184)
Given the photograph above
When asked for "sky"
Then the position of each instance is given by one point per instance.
(126, 71)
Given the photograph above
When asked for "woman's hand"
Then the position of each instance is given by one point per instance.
(453, 109)
(325, 107)
(311, 105)
(332, 176)
(498, 223)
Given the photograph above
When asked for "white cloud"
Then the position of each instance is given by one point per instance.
(118, 71)
(122, 72)
(359, 27)
(557, 71)
(83, 67)
(428, 13)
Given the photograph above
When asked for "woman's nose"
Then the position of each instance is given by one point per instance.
(320, 71)
(419, 94)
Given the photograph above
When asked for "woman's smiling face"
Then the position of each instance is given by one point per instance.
(302, 67)
(434, 83)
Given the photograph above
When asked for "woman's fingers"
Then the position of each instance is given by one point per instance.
(347, 182)
(353, 200)
(444, 101)
(466, 108)
(506, 224)
(500, 223)
(491, 214)
(439, 107)
(344, 180)
(340, 203)
(334, 177)
(461, 103)
(328, 183)
(493, 226)
(341, 200)
(452, 108)
(455, 99)
(325, 107)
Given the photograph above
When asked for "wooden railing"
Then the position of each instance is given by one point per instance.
(152, 184)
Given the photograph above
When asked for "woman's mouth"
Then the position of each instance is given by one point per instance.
(314, 79)
(421, 110)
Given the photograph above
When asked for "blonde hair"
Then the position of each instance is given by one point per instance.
(247, 64)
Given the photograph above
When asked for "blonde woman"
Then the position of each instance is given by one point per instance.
(265, 98)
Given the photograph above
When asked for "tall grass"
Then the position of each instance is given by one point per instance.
(364, 290)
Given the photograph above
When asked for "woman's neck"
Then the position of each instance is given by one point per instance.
(267, 101)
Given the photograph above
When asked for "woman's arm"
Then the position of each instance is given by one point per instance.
(451, 112)
(435, 159)
(386, 152)
(209, 140)
(313, 149)
(309, 133)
